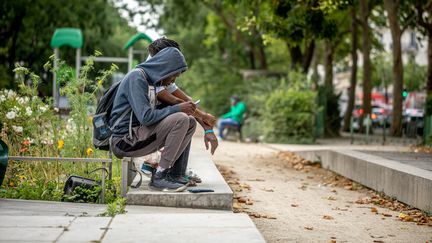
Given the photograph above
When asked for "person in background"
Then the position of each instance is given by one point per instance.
(234, 117)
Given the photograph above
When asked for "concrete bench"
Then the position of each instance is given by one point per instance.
(202, 164)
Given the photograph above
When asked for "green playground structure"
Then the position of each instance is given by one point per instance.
(73, 37)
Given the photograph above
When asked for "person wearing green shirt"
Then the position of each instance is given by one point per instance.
(234, 117)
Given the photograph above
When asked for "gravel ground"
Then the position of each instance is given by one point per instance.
(289, 205)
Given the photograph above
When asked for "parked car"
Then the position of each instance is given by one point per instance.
(413, 122)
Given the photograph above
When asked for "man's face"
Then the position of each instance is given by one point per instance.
(170, 79)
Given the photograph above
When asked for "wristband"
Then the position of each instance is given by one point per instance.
(208, 131)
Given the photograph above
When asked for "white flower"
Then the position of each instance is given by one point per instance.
(17, 128)
(10, 115)
(31, 140)
(70, 125)
(29, 111)
(47, 141)
(34, 98)
(56, 109)
(11, 94)
(21, 101)
(2, 98)
(43, 108)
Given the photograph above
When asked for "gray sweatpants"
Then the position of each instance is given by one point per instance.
(173, 133)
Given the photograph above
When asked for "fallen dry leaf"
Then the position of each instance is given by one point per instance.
(331, 198)
(257, 179)
(328, 217)
(374, 210)
(303, 187)
(405, 217)
(294, 205)
(308, 228)
(241, 200)
(386, 215)
(349, 188)
(237, 206)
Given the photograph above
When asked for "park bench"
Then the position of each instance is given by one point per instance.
(237, 130)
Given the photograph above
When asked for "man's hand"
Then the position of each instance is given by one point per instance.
(188, 107)
(209, 120)
(212, 139)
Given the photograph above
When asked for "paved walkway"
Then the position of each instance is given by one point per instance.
(42, 221)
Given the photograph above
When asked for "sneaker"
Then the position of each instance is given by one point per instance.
(160, 181)
(147, 169)
(179, 179)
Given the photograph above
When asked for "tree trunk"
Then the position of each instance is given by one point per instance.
(308, 55)
(353, 82)
(296, 56)
(366, 49)
(261, 53)
(328, 65)
(299, 59)
(429, 77)
(391, 7)
(251, 54)
(315, 75)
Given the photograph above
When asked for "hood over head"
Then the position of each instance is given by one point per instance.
(167, 62)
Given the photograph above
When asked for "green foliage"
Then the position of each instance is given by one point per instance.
(30, 127)
(289, 112)
(414, 75)
(27, 28)
(80, 92)
(118, 206)
(83, 195)
(212, 82)
(37, 189)
(28, 123)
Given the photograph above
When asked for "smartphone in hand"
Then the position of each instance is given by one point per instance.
(197, 102)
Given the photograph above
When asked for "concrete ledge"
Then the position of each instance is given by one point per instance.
(201, 163)
(407, 183)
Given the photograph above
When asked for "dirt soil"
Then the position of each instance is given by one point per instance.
(291, 200)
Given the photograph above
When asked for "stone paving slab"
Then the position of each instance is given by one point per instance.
(183, 228)
(18, 207)
(201, 163)
(85, 229)
(29, 234)
(139, 224)
(36, 222)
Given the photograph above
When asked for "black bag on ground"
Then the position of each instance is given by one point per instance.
(75, 181)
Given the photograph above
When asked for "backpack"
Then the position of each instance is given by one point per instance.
(101, 130)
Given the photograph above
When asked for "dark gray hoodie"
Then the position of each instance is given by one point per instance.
(134, 88)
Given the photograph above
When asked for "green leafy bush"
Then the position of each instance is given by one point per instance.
(289, 113)
(213, 83)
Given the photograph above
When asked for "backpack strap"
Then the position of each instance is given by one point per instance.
(121, 117)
